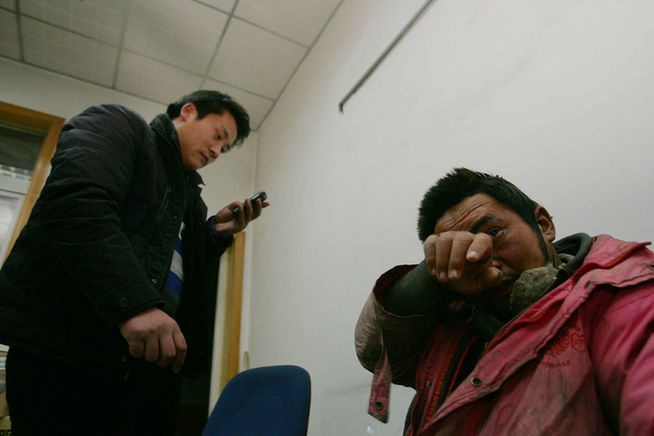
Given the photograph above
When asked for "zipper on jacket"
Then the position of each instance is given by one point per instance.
(163, 207)
(447, 380)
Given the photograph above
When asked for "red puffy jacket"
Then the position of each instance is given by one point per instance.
(580, 361)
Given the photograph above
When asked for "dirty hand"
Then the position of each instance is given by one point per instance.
(462, 261)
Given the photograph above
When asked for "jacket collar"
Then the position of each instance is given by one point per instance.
(578, 246)
(167, 138)
(607, 251)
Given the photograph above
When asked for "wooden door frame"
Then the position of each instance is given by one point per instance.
(232, 346)
(226, 362)
(51, 126)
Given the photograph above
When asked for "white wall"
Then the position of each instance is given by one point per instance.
(556, 96)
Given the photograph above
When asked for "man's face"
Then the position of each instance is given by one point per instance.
(202, 140)
(515, 245)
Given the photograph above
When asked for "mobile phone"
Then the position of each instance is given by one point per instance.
(259, 195)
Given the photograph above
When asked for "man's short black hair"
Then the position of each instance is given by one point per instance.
(462, 183)
(214, 102)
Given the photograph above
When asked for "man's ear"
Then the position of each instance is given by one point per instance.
(188, 112)
(545, 223)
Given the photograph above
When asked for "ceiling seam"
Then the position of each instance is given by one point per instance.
(250, 22)
(258, 26)
(166, 63)
(121, 41)
(215, 8)
(247, 91)
(74, 32)
(71, 77)
(218, 44)
(19, 30)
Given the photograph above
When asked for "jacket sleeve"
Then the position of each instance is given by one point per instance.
(622, 350)
(380, 334)
(79, 210)
(216, 242)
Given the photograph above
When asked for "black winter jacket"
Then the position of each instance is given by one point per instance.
(98, 245)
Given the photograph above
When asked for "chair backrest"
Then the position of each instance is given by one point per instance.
(266, 401)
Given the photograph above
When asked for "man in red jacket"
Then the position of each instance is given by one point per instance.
(501, 330)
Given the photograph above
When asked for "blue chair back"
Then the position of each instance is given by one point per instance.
(266, 401)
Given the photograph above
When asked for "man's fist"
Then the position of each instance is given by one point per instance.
(462, 261)
(155, 337)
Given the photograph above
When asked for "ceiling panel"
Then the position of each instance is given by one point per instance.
(256, 106)
(255, 59)
(50, 11)
(299, 20)
(178, 32)
(9, 35)
(100, 20)
(65, 52)
(8, 4)
(154, 80)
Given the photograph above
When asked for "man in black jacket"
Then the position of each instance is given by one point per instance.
(104, 291)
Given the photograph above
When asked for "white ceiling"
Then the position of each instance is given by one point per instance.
(162, 49)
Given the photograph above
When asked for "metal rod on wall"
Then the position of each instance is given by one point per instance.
(379, 60)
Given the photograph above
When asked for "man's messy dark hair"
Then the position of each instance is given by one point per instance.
(462, 183)
(214, 102)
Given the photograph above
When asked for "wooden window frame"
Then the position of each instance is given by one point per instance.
(51, 126)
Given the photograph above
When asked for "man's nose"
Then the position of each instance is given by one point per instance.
(215, 150)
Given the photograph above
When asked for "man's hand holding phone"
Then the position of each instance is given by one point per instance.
(235, 217)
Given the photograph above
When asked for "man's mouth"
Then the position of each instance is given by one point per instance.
(504, 289)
